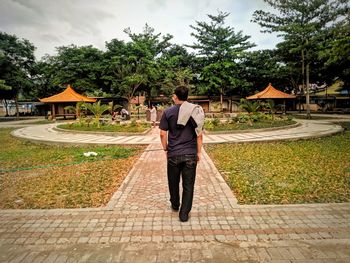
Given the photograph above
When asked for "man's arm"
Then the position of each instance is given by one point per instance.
(164, 140)
(199, 146)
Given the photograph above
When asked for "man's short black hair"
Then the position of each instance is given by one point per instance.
(181, 92)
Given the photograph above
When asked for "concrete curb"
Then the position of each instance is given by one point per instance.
(297, 124)
(102, 133)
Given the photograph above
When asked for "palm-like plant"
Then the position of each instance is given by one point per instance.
(249, 106)
(97, 110)
(270, 105)
(76, 110)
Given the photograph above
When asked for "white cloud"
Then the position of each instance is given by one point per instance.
(51, 23)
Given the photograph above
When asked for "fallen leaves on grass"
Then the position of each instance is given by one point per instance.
(287, 172)
(51, 176)
(83, 185)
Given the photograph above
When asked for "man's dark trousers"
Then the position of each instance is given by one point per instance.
(185, 166)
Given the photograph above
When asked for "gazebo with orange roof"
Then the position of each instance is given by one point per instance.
(63, 99)
(271, 93)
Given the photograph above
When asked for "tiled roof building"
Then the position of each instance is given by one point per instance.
(68, 95)
(270, 93)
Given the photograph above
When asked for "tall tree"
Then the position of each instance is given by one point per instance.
(16, 65)
(218, 49)
(136, 68)
(260, 68)
(176, 68)
(302, 24)
(336, 52)
(78, 66)
(4, 93)
(45, 78)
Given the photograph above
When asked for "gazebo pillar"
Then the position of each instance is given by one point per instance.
(53, 112)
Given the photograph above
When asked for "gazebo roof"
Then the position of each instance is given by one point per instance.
(68, 95)
(270, 93)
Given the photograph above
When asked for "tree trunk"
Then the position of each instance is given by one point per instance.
(17, 108)
(308, 115)
(302, 76)
(53, 113)
(77, 111)
(221, 101)
(6, 107)
(129, 105)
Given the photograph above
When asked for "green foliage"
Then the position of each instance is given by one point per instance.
(345, 125)
(71, 109)
(134, 64)
(16, 65)
(3, 86)
(218, 49)
(270, 105)
(250, 106)
(215, 121)
(258, 68)
(245, 121)
(305, 27)
(114, 107)
(132, 127)
(80, 67)
(175, 69)
(241, 118)
(133, 123)
(336, 52)
(208, 125)
(97, 110)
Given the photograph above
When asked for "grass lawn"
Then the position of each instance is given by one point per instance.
(307, 171)
(132, 128)
(262, 124)
(48, 176)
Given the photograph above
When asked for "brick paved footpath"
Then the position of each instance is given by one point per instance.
(138, 226)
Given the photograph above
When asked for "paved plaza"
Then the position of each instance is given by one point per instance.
(137, 225)
(306, 129)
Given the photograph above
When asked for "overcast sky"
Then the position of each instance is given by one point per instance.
(52, 23)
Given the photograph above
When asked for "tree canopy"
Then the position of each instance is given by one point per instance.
(16, 66)
(304, 25)
(314, 48)
(219, 50)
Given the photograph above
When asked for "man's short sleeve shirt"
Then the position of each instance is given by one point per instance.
(181, 140)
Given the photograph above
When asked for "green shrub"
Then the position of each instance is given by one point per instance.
(215, 121)
(255, 117)
(208, 125)
(242, 118)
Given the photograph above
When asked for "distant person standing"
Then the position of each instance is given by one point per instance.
(181, 137)
(153, 111)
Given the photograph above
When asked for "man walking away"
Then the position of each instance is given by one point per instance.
(181, 136)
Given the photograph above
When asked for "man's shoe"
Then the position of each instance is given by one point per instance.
(183, 217)
(175, 208)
